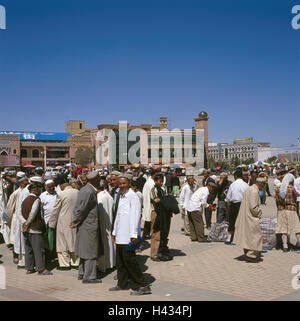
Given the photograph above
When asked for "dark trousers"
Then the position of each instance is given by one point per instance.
(196, 226)
(34, 251)
(233, 211)
(268, 190)
(147, 228)
(208, 213)
(164, 233)
(222, 213)
(88, 269)
(169, 189)
(128, 267)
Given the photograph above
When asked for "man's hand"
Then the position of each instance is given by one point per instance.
(134, 241)
(72, 225)
(113, 238)
(212, 207)
(25, 228)
(156, 200)
(183, 209)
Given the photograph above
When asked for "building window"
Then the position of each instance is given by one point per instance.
(4, 153)
(24, 153)
(35, 153)
(14, 151)
(80, 125)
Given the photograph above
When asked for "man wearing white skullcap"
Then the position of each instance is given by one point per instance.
(19, 246)
(20, 174)
(48, 199)
(36, 179)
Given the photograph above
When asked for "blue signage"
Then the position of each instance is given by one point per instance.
(38, 136)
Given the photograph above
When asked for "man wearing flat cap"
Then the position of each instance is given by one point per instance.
(248, 234)
(88, 245)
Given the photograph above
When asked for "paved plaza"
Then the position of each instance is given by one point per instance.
(198, 271)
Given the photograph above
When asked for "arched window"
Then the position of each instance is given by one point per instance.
(24, 153)
(3, 153)
(35, 153)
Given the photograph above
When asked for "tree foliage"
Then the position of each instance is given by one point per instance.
(84, 156)
(271, 159)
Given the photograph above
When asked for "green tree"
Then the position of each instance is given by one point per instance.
(271, 159)
(249, 161)
(84, 156)
(211, 163)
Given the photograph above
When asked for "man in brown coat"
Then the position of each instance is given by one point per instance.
(247, 228)
(33, 229)
(61, 218)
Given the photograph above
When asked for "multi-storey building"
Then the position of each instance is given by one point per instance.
(243, 149)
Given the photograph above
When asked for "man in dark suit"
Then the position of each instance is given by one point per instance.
(86, 218)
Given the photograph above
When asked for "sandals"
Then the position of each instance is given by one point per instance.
(45, 272)
(30, 271)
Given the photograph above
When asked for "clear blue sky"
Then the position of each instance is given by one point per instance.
(136, 60)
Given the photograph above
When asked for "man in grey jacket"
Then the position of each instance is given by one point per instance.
(86, 219)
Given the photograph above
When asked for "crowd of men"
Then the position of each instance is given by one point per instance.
(92, 223)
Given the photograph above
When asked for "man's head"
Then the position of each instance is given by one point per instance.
(191, 180)
(23, 182)
(245, 176)
(280, 174)
(159, 180)
(83, 179)
(224, 176)
(153, 173)
(211, 186)
(93, 178)
(114, 181)
(76, 184)
(35, 189)
(124, 181)
(261, 183)
(50, 186)
(238, 174)
(38, 171)
(134, 185)
(206, 173)
(20, 175)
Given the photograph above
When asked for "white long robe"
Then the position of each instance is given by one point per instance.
(12, 212)
(108, 260)
(19, 245)
(4, 229)
(146, 215)
(247, 233)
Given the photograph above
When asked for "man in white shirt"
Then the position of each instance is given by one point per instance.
(126, 234)
(234, 198)
(184, 199)
(48, 199)
(195, 209)
(297, 188)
